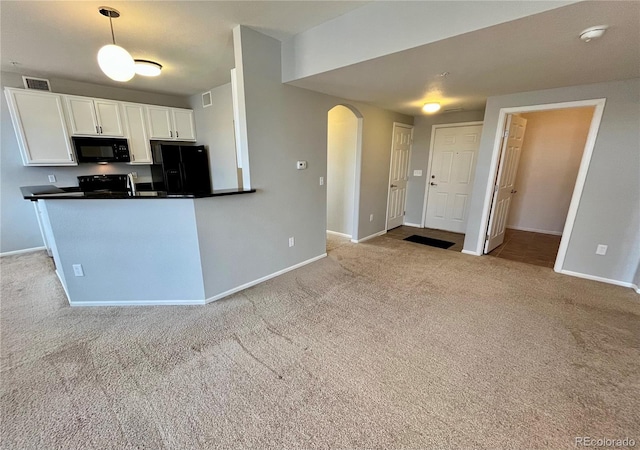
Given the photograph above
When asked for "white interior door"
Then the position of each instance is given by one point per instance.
(399, 174)
(504, 187)
(455, 151)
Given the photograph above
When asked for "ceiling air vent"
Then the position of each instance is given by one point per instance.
(40, 84)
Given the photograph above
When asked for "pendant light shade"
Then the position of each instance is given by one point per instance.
(116, 63)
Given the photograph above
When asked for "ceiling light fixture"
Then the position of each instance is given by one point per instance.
(431, 107)
(593, 32)
(115, 61)
(147, 68)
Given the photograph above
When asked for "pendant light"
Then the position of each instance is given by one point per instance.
(114, 60)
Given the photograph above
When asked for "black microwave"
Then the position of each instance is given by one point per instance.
(101, 150)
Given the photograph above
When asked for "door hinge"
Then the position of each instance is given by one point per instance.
(495, 188)
(506, 133)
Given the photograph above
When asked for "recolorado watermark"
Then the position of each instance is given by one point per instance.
(587, 441)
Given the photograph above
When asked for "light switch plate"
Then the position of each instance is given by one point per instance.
(417, 173)
(52, 178)
(601, 249)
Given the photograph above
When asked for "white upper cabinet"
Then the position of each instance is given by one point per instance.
(94, 117)
(41, 131)
(44, 122)
(173, 124)
(184, 123)
(136, 131)
(160, 123)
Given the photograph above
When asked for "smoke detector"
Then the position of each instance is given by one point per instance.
(593, 32)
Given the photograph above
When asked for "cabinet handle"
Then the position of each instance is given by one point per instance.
(100, 130)
(170, 133)
(97, 132)
(177, 133)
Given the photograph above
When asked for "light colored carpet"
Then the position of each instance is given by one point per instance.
(384, 344)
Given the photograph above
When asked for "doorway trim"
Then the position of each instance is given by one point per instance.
(598, 103)
(431, 145)
(393, 135)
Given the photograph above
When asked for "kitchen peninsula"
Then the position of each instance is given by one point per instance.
(151, 248)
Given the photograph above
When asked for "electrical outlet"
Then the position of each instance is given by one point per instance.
(77, 270)
(371, 218)
(601, 249)
(292, 242)
(417, 173)
(321, 181)
(301, 165)
(52, 178)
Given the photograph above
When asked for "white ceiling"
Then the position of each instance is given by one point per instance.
(193, 41)
(542, 51)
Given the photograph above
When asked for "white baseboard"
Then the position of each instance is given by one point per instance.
(140, 303)
(64, 286)
(335, 233)
(415, 225)
(534, 230)
(601, 279)
(471, 252)
(265, 278)
(380, 233)
(25, 250)
(196, 302)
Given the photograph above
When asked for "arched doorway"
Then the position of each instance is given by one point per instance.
(344, 142)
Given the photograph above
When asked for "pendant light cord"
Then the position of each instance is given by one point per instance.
(113, 36)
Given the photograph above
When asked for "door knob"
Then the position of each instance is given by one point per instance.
(393, 185)
(433, 184)
(513, 191)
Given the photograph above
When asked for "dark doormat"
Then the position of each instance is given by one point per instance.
(429, 241)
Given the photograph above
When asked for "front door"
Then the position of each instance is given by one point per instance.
(399, 174)
(505, 181)
(455, 151)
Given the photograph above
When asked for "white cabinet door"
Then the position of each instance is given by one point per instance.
(136, 132)
(41, 131)
(160, 126)
(82, 116)
(93, 117)
(108, 115)
(184, 124)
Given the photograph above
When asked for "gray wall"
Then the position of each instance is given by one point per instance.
(285, 124)
(609, 211)
(420, 157)
(214, 125)
(135, 260)
(382, 28)
(18, 224)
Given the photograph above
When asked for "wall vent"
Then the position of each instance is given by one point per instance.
(40, 84)
(206, 99)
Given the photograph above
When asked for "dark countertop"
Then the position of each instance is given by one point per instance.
(49, 192)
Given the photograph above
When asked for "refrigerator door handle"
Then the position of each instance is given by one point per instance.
(183, 178)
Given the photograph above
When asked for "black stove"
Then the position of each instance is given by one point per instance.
(100, 183)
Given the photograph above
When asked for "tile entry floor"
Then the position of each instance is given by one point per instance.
(522, 246)
(528, 247)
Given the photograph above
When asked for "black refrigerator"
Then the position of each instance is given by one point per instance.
(180, 168)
